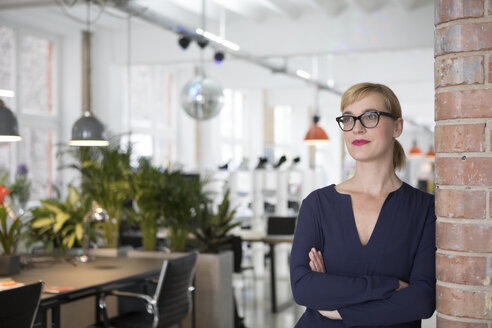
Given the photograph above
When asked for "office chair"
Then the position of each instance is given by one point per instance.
(19, 305)
(169, 304)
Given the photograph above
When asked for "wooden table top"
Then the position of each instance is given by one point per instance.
(102, 272)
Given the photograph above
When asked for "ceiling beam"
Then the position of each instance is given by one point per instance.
(167, 23)
(331, 7)
(370, 5)
(19, 4)
(286, 7)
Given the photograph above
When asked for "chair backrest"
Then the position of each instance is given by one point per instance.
(172, 292)
(281, 225)
(18, 306)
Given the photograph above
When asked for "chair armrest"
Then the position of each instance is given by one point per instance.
(144, 297)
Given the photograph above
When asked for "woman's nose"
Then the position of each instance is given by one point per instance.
(358, 127)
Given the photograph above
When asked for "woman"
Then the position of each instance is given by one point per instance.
(364, 250)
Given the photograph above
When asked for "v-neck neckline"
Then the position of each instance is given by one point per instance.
(353, 222)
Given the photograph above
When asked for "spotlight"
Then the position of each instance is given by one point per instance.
(219, 57)
(202, 42)
(184, 42)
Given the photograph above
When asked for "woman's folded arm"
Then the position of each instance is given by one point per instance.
(324, 291)
(415, 302)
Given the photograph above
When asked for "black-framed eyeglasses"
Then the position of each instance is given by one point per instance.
(368, 120)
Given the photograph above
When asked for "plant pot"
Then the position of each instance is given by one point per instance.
(214, 295)
(9, 264)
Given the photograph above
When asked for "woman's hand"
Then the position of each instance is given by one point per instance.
(317, 264)
(334, 315)
(316, 261)
(402, 285)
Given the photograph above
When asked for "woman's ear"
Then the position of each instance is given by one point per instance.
(398, 127)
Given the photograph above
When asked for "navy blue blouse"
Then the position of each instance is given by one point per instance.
(361, 281)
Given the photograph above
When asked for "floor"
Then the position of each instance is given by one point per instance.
(253, 298)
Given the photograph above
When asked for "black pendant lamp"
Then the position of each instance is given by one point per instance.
(87, 131)
(9, 130)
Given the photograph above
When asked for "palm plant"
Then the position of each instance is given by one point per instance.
(149, 193)
(181, 205)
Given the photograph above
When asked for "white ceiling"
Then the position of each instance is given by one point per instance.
(379, 40)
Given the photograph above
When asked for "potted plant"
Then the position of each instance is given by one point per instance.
(59, 225)
(184, 196)
(9, 236)
(106, 173)
(212, 233)
(148, 183)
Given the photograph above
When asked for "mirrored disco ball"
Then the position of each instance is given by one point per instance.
(202, 97)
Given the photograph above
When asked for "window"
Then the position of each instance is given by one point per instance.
(27, 70)
(232, 149)
(283, 137)
(151, 117)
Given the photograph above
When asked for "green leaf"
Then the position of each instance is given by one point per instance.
(42, 222)
(79, 231)
(73, 197)
(69, 240)
(60, 219)
(52, 208)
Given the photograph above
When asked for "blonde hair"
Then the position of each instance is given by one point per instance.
(391, 104)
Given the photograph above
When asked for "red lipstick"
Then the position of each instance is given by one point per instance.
(360, 142)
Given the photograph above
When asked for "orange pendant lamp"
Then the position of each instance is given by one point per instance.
(316, 135)
(415, 151)
(431, 154)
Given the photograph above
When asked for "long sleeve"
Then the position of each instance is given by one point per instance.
(409, 304)
(325, 291)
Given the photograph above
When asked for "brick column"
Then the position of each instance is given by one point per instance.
(463, 113)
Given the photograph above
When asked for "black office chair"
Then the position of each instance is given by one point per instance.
(18, 306)
(169, 304)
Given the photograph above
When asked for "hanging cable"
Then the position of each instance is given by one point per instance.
(202, 57)
(129, 70)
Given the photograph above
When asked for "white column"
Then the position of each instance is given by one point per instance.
(208, 141)
(281, 209)
(257, 223)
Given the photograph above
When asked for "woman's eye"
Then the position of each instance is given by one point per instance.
(372, 116)
(346, 119)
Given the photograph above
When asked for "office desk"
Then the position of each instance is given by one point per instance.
(87, 279)
(271, 240)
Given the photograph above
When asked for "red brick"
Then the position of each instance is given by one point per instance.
(463, 37)
(460, 138)
(463, 303)
(464, 171)
(458, 71)
(464, 104)
(467, 270)
(444, 323)
(448, 10)
(469, 204)
(465, 237)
